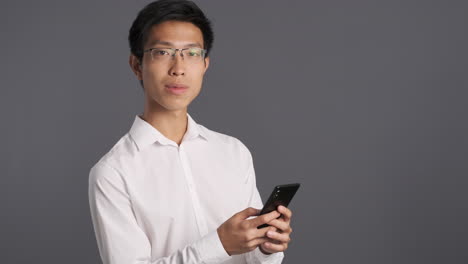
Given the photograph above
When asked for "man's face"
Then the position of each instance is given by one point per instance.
(171, 84)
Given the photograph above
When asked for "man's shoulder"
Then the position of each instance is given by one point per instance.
(225, 141)
(125, 148)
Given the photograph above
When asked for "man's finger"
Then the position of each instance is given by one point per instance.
(262, 232)
(280, 224)
(272, 247)
(282, 238)
(257, 242)
(263, 219)
(286, 213)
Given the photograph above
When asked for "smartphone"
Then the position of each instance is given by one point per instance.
(281, 195)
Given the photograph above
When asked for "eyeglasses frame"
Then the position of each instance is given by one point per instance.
(175, 51)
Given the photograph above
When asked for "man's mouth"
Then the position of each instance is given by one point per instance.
(176, 88)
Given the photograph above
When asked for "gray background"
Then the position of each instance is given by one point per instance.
(363, 102)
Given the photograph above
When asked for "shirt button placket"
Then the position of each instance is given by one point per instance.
(189, 179)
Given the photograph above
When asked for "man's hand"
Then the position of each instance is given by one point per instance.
(239, 235)
(279, 236)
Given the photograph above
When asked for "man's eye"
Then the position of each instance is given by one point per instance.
(194, 53)
(161, 52)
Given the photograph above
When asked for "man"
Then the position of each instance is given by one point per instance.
(171, 190)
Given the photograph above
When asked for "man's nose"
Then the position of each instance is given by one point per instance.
(178, 65)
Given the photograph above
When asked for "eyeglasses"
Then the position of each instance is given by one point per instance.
(190, 55)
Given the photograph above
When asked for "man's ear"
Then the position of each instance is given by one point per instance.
(135, 65)
(207, 63)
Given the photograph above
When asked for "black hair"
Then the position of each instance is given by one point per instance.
(165, 10)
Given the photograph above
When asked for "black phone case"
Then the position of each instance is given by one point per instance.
(281, 195)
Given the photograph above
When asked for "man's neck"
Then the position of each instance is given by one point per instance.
(172, 124)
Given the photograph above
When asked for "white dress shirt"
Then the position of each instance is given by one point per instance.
(153, 201)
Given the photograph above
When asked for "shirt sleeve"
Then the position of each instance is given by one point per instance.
(255, 201)
(119, 237)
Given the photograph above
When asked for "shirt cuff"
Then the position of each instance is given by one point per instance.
(272, 258)
(211, 249)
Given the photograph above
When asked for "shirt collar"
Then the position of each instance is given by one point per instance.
(145, 134)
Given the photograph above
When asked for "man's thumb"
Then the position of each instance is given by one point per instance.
(247, 212)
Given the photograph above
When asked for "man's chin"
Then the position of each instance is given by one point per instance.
(171, 106)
